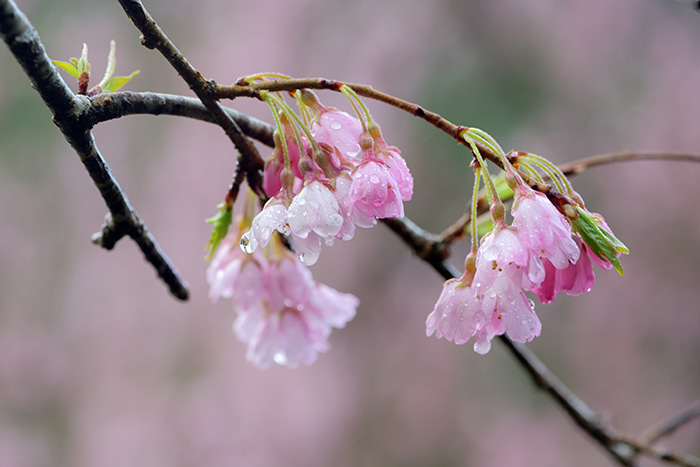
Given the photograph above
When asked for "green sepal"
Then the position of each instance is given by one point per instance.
(69, 67)
(600, 241)
(221, 221)
(115, 83)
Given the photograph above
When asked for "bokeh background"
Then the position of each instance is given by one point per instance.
(100, 366)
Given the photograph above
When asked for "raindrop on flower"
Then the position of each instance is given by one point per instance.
(245, 243)
(335, 125)
(280, 358)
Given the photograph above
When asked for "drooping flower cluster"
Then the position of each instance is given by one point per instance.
(539, 252)
(283, 315)
(334, 174)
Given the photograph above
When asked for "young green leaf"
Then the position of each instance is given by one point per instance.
(222, 220)
(69, 67)
(115, 83)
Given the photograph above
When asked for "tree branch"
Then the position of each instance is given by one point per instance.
(429, 247)
(108, 106)
(25, 44)
(154, 38)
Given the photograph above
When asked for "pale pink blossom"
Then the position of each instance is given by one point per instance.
(374, 191)
(391, 156)
(224, 268)
(339, 130)
(283, 315)
(504, 266)
(315, 209)
(298, 317)
(457, 315)
(543, 229)
(272, 217)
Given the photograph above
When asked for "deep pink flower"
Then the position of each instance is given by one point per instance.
(543, 229)
(573, 280)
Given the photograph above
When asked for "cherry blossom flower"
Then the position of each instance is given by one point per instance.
(374, 191)
(542, 228)
(391, 156)
(315, 209)
(283, 315)
(457, 315)
(504, 266)
(339, 130)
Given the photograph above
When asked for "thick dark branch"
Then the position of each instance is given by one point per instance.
(26, 46)
(108, 106)
(154, 38)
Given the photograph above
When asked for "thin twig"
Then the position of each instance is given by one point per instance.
(242, 89)
(25, 44)
(578, 166)
(154, 38)
(670, 424)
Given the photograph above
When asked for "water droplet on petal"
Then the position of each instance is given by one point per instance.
(335, 125)
(245, 243)
(280, 358)
(532, 304)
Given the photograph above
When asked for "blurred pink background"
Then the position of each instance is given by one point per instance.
(100, 366)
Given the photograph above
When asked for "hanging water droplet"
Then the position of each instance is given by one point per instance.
(532, 304)
(245, 243)
(302, 258)
(335, 125)
(280, 358)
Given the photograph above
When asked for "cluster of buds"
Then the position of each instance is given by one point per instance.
(282, 314)
(547, 249)
(326, 175)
